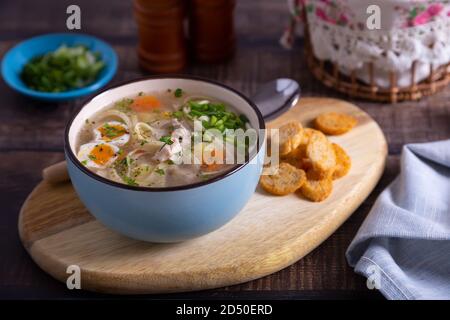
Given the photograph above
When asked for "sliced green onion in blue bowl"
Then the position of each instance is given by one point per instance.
(59, 67)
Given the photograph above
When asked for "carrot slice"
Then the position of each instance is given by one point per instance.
(145, 103)
(207, 166)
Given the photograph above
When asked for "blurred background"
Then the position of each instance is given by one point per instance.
(258, 24)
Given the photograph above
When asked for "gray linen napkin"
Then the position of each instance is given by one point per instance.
(403, 246)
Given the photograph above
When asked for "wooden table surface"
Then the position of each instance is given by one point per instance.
(31, 138)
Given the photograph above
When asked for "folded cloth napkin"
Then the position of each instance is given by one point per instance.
(403, 246)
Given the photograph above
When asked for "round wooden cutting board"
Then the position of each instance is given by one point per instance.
(268, 235)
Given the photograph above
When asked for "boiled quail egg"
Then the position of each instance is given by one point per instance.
(98, 155)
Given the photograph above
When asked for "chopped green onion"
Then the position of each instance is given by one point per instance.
(195, 113)
(64, 69)
(243, 118)
(178, 93)
(213, 120)
(206, 124)
(219, 118)
(230, 124)
(194, 105)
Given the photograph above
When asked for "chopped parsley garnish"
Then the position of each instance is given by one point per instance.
(166, 139)
(178, 93)
(140, 94)
(160, 171)
(113, 132)
(121, 167)
(143, 142)
(130, 181)
(137, 172)
(84, 162)
(124, 104)
(178, 114)
(92, 157)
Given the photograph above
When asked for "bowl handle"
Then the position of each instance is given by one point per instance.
(56, 173)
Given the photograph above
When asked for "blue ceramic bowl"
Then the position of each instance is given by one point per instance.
(16, 58)
(169, 214)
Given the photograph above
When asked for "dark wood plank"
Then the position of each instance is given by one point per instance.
(114, 20)
(21, 18)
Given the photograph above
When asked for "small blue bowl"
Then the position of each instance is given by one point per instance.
(17, 57)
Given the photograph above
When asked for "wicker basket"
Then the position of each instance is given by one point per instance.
(328, 73)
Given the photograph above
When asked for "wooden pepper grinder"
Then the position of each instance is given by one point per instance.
(162, 43)
(211, 29)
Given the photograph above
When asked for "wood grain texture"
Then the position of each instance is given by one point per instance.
(270, 233)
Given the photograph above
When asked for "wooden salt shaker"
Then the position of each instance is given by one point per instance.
(211, 29)
(162, 43)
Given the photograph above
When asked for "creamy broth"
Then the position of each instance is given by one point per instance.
(149, 139)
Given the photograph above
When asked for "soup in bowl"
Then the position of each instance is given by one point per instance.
(166, 159)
